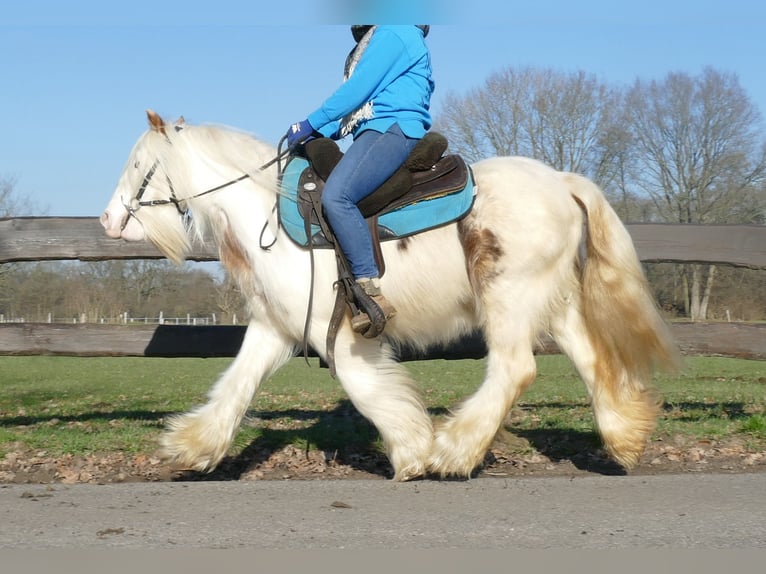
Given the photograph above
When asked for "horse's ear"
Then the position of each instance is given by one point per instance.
(155, 121)
(179, 124)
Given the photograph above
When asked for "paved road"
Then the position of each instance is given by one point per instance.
(681, 511)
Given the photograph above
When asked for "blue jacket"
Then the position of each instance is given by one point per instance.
(394, 73)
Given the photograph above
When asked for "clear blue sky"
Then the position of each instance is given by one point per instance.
(76, 77)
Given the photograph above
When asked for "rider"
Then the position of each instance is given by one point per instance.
(384, 104)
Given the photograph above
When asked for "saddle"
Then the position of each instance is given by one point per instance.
(426, 174)
(426, 178)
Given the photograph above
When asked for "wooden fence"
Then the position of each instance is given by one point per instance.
(81, 238)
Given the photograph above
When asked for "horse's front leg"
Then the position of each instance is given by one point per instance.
(198, 440)
(384, 393)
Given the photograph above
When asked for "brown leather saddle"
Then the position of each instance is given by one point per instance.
(426, 174)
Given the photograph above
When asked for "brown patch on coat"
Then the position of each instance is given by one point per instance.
(482, 253)
(403, 244)
(232, 256)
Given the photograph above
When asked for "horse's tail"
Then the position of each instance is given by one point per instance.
(630, 338)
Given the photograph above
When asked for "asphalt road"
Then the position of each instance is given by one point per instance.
(670, 511)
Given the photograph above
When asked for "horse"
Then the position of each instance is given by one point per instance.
(541, 251)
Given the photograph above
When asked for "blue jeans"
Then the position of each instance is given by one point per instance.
(368, 162)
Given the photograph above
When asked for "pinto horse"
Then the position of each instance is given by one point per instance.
(541, 251)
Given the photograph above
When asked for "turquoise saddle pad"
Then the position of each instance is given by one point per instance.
(402, 222)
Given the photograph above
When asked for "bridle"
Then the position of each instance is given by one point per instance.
(137, 203)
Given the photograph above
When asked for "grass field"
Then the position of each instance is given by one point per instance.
(80, 406)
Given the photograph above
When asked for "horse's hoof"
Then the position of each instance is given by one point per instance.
(409, 474)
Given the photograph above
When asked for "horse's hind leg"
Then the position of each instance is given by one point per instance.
(383, 392)
(463, 438)
(625, 411)
(513, 311)
(198, 440)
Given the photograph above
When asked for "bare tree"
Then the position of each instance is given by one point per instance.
(567, 120)
(98, 289)
(699, 155)
(11, 205)
(7, 199)
(230, 300)
(33, 290)
(8, 207)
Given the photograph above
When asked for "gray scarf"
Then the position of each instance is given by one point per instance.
(364, 112)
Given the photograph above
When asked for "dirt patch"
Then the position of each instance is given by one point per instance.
(546, 454)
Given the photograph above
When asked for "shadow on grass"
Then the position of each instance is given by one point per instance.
(341, 434)
(695, 411)
(106, 416)
(582, 448)
(348, 439)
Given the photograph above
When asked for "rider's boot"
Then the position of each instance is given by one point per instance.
(361, 322)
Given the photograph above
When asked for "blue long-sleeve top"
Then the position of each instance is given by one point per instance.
(394, 73)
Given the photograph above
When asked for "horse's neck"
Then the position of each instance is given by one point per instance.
(222, 202)
(238, 211)
(212, 173)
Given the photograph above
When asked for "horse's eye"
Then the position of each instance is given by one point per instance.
(135, 165)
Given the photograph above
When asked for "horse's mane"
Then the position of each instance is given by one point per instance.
(220, 145)
(229, 151)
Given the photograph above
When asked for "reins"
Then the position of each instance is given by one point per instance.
(176, 202)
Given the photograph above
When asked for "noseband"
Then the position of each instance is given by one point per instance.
(139, 203)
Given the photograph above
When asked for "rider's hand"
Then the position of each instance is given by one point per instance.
(298, 133)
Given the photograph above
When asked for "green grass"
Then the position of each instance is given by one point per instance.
(82, 405)
(714, 398)
(69, 405)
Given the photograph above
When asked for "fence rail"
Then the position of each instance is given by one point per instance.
(738, 340)
(57, 238)
(121, 320)
(61, 238)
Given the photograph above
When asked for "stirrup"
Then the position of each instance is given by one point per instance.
(361, 321)
(374, 312)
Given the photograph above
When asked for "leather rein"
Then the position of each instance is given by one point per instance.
(139, 203)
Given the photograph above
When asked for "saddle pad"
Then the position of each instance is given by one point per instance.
(405, 221)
